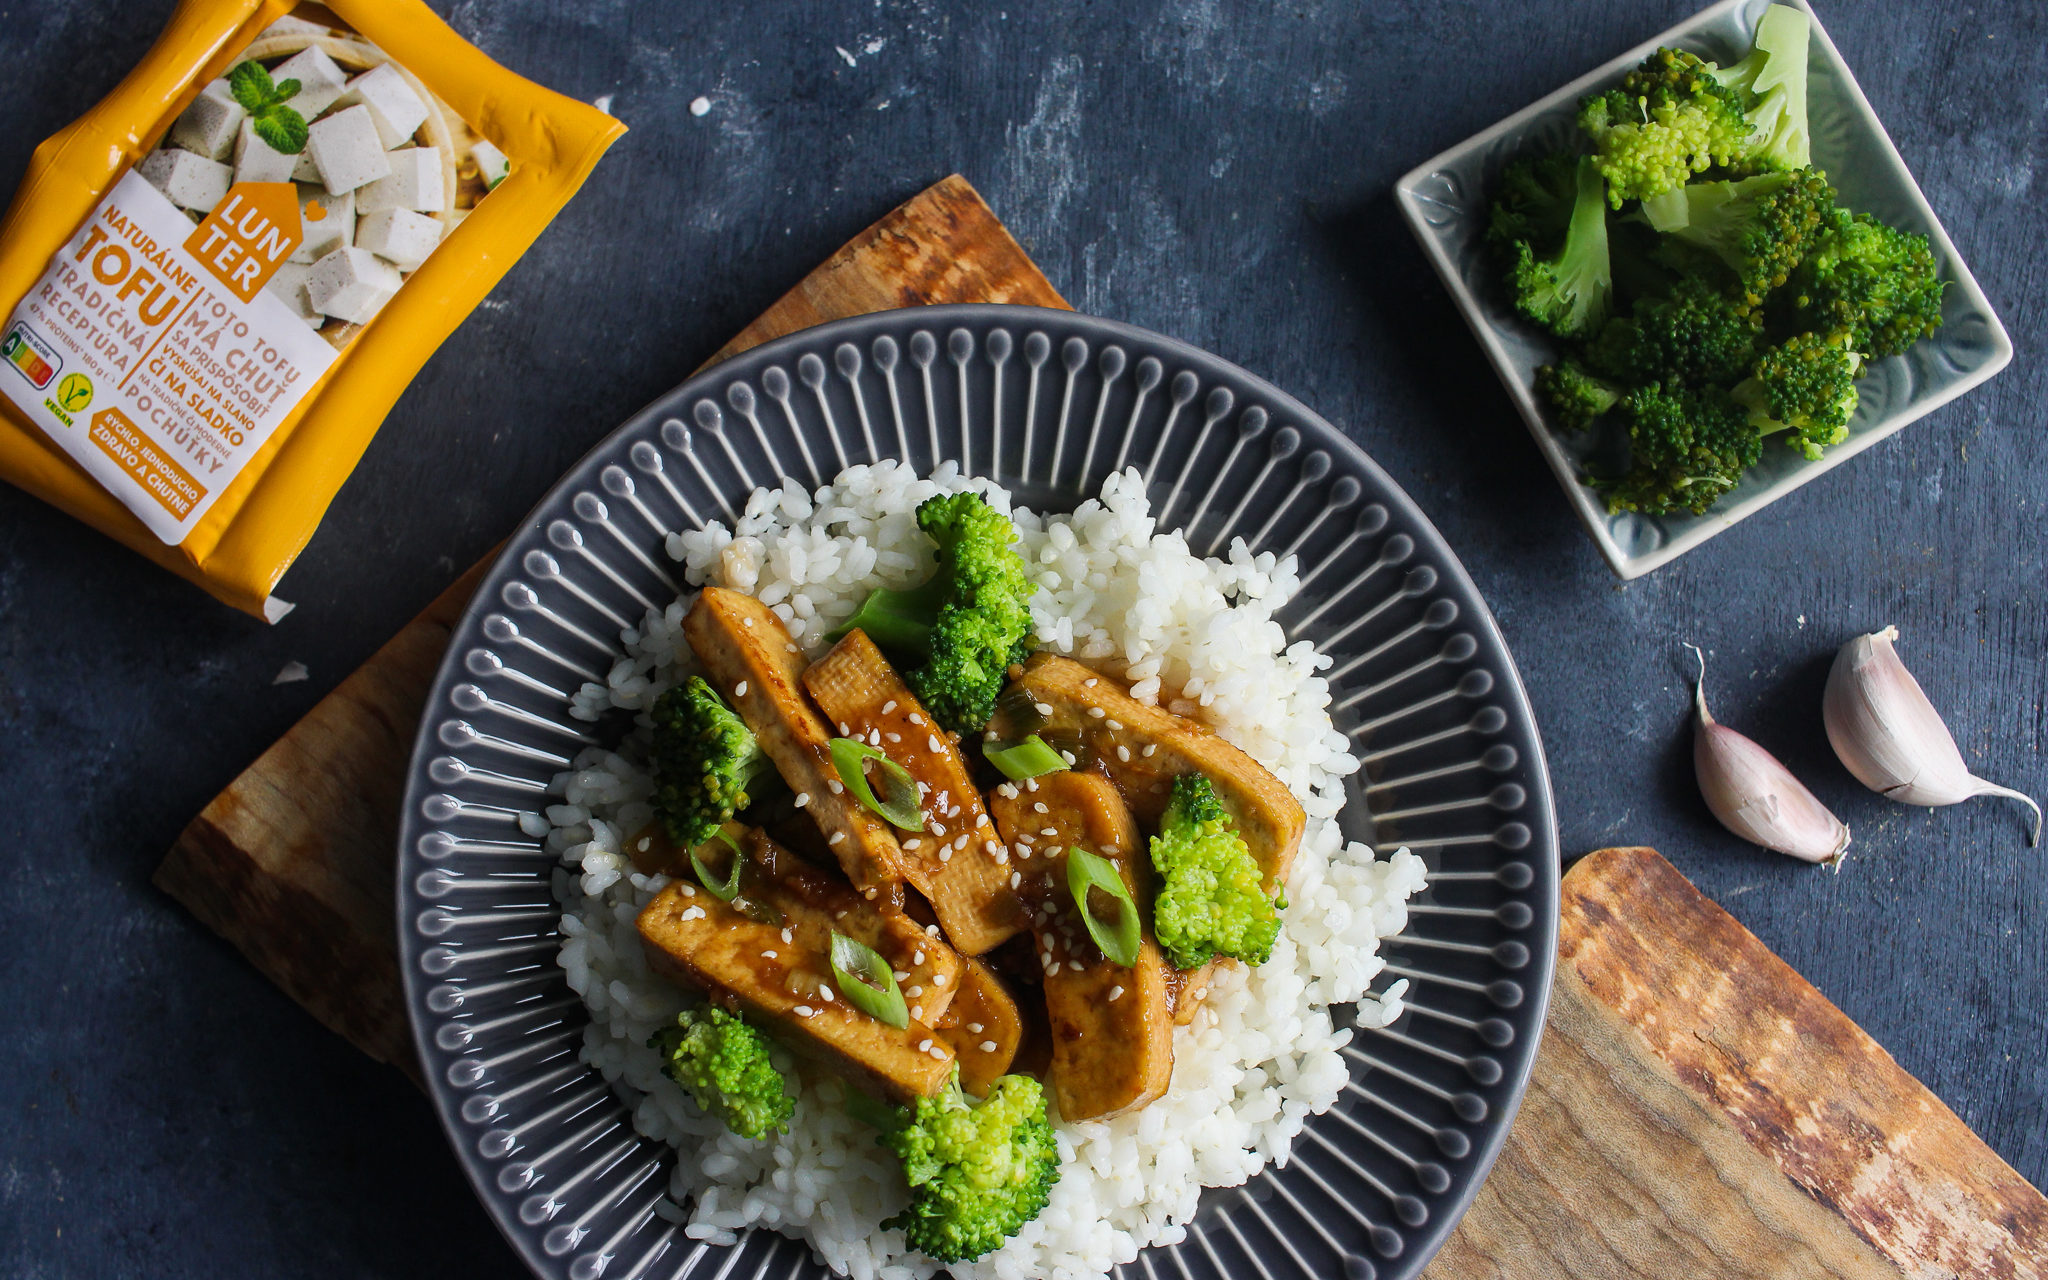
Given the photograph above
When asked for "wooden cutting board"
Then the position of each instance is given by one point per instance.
(1697, 1109)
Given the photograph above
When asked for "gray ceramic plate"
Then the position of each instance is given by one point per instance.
(1048, 403)
(1446, 200)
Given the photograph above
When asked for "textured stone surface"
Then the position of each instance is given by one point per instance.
(1217, 172)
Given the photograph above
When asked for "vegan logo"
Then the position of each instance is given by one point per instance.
(74, 392)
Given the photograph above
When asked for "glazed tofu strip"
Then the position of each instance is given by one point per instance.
(1112, 1033)
(770, 971)
(1144, 748)
(984, 1028)
(750, 659)
(956, 862)
(1187, 988)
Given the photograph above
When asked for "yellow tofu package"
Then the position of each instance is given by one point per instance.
(219, 280)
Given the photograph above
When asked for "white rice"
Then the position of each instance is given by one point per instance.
(1263, 1053)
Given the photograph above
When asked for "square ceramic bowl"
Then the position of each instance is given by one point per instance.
(1446, 200)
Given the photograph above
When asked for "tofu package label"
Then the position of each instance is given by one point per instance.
(165, 362)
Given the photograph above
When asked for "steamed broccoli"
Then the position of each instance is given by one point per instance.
(1212, 898)
(704, 760)
(1807, 386)
(968, 623)
(724, 1064)
(1534, 202)
(1686, 449)
(1771, 82)
(1575, 396)
(1669, 119)
(977, 1172)
(1694, 335)
(1870, 283)
(1758, 227)
(1567, 290)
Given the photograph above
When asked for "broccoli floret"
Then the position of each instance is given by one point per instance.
(1575, 396)
(1669, 119)
(1771, 82)
(1568, 291)
(1686, 449)
(977, 1172)
(1534, 203)
(968, 623)
(1693, 335)
(724, 1064)
(1806, 386)
(704, 761)
(1212, 899)
(1872, 284)
(1758, 227)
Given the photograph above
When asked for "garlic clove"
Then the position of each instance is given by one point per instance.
(1889, 735)
(1755, 796)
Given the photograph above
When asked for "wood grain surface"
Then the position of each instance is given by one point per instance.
(1699, 1109)
(294, 861)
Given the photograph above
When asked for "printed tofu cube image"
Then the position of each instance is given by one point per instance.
(208, 127)
(399, 236)
(326, 222)
(346, 150)
(288, 284)
(321, 80)
(255, 161)
(351, 284)
(398, 111)
(415, 182)
(190, 181)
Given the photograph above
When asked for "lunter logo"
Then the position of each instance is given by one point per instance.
(248, 235)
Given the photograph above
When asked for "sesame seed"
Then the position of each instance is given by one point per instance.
(790, 647)
(932, 743)
(1007, 792)
(913, 991)
(988, 1046)
(1096, 713)
(974, 1028)
(835, 786)
(746, 622)
(694, 913)
(1090, 683)
(805, 1011)
(1113, 726)
(740, 690)
(874, 737)
(1038, 806)
(689, 891)
(1016, 878)
(1116, 993)
(1123, 753)
(802, 798)
(1068, 756)
(1074, 965)
(946, 853)
(913, 843)
(888, 706)
(940, 1054)
(845, 729)
(1042, 708)
(935, 828)
(916, 718)
(1031, 784)
(938, 979)
(869, 895)
(787, 936)
(644, 842)
(835, 837)
(839, 915)
(768, 955)
(918, 958)
(893, 737)
(932, 929)
(924, 1046)
(917, 1011)
(825, 994)
(1048, 831)
(1150, 747)
(960, 841)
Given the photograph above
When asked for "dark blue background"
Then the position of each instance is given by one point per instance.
(1218, 172)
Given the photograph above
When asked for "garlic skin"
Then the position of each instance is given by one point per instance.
(1756, 797)
(1890, 736)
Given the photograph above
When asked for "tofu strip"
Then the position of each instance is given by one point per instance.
(957, 862)
(774, 966)
(1142, 749)
(1112, 1030)
(750, 660)
(984, 1028)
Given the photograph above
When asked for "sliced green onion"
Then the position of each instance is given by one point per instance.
(867, 982)
(727, 889)
(1119, 938)
(1027, 759)
(899, 807)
